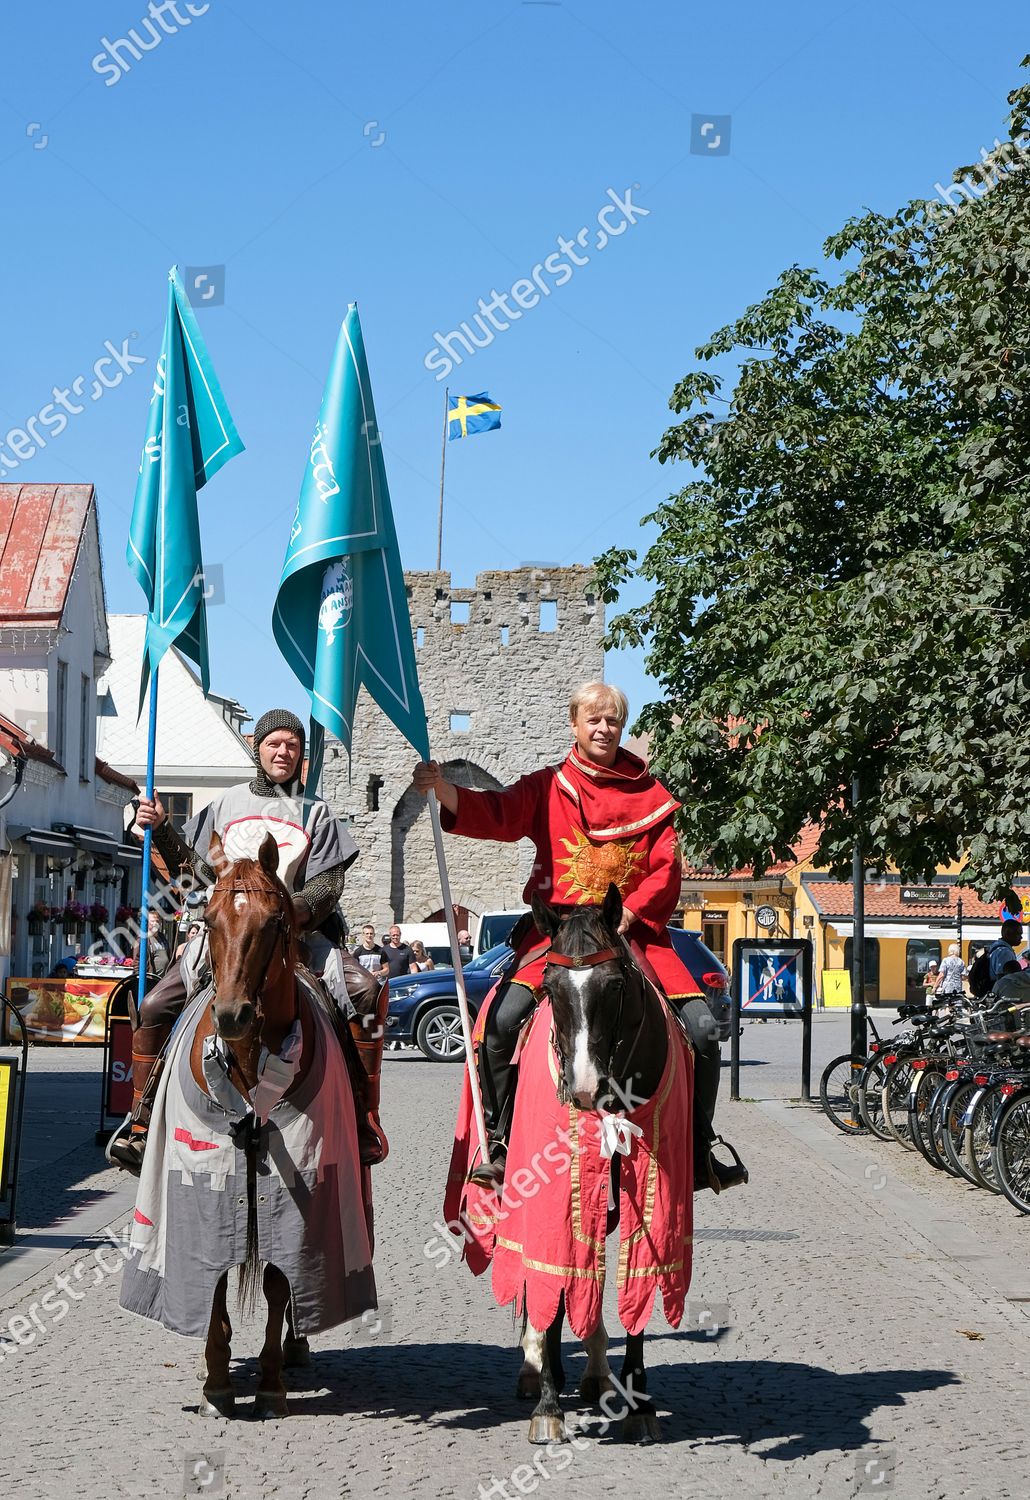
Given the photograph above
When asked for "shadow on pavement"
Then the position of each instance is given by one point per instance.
(802, 1409)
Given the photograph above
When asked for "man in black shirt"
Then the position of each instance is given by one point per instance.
(397, 955)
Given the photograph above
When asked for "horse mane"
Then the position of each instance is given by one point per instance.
(583, 931)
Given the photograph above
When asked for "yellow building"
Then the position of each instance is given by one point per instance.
(907, 926)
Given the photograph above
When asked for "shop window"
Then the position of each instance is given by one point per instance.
(919, 954)
(872, 968)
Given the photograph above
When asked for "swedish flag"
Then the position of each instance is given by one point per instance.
(470, 414)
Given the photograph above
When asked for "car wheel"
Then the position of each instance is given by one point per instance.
(438, 1034)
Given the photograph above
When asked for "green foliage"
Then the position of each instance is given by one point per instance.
(841, 586)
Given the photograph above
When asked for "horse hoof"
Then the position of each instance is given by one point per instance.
(641, 1427)
(547, 1430)
(296, 1352)
(593, 1387)
(202, 1369)
(270, 1404)
(528, 1388)
(218, 1404)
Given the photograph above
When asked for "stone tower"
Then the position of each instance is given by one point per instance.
(496, 664)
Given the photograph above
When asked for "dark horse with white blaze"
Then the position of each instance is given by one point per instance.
(610, 1036)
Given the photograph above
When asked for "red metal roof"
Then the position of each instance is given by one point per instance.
(41, 529)
(16, 742)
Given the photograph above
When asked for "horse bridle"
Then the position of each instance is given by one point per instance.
(623, 958)
(280, 921)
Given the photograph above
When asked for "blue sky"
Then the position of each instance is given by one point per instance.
(416, 158)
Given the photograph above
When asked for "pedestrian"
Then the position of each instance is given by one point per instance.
(1002, 957)
(396, 953)
(158, 957)
(420, 959)
(952, 973)
(369, 954)
(465, 952)
(930, 979)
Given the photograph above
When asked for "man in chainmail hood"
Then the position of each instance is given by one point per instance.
(315, 850)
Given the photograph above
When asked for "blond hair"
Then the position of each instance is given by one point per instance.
(953, 950)
(599, 695)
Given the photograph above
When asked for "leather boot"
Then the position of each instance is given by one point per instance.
(126, 1147)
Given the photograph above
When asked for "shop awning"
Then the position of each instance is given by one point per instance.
(44, 841)
(94, 840)
(128, 854)
(946, 932)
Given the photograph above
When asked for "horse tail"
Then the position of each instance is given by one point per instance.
(249, 1283)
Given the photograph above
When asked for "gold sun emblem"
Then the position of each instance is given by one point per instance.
(591, 868)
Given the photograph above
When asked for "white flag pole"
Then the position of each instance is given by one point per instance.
(459, 975)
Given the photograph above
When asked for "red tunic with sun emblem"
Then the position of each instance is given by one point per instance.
(592, 826)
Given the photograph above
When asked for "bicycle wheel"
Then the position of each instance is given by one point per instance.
(1012, 1151)
(976, 1143)
(870, 1101)
(894, 1100)
(953, 1112)
(922, 1098)
(838, 1092)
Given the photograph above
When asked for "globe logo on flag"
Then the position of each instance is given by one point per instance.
(337, 599)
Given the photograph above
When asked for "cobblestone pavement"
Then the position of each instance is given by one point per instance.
(867, 1341)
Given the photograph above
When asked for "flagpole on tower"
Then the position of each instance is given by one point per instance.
(443, 462)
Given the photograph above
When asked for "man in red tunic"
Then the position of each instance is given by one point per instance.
(598, 818)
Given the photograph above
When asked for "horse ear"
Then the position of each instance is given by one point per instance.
(545, 917)
(216, 854)
(611, 911)
(268, 854)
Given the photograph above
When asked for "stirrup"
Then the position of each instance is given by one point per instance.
(126, 1147)
(490, 1174)
(720, 1176)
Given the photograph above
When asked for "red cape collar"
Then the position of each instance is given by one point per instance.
(618, 801)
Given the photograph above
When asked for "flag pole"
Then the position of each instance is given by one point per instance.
(459, 976)
(147, 841)
(443, 461)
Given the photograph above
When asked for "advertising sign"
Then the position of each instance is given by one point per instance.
(61, 1010)
(118, 1095)
(8, 1090)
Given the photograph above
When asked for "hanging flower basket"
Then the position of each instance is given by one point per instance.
(38, 917)
(99, 916)
(124, 914)
(73, 916)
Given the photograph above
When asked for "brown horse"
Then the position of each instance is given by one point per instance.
(257, 1001)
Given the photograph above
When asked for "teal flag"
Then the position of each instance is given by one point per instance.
(341, 613)
(190, 435)
(467, 415)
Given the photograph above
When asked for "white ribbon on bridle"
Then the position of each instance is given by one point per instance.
(617, 1135)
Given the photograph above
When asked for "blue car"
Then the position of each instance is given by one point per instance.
(424, 1007)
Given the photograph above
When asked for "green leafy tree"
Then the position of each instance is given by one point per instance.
(841, 587)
